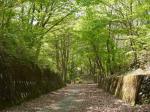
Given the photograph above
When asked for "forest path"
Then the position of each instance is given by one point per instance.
(77, 98)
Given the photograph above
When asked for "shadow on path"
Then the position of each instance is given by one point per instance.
(77, 98)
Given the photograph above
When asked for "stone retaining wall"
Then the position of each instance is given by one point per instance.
(20, 81)
(144, 91)
(131, 88)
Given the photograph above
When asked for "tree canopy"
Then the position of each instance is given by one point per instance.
(73, 37)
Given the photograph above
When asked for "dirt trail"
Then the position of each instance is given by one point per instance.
(77, 98)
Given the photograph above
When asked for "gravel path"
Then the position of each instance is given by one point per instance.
(77, 98)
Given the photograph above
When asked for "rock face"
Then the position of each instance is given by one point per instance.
(131, 88)
(144, 91)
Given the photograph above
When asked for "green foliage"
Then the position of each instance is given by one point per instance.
(98, 36)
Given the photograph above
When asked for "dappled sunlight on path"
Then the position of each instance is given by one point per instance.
(77, 98)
